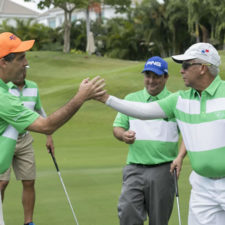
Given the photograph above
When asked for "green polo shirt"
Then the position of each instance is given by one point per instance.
(156, 140)
(201, 120)
(14, 118)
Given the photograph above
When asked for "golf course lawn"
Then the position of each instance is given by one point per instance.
(89, 157)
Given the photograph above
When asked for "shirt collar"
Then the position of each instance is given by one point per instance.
(161, 95)
(211, 89)
(3, 85)
(11, 85)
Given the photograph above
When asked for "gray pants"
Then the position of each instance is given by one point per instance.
(146, 190)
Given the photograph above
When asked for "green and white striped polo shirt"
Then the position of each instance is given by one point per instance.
(201, 120)
(29, 95)
(156, 140)
(14, 118)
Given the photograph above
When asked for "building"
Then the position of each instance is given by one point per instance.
(55, 17)
(10, 10)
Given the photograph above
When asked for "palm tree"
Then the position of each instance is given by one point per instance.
(176, 15)
(199, 14)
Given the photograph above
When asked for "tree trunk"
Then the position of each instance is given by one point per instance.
(87, 24)
(205, 36)
(67, 27)
(197, 32)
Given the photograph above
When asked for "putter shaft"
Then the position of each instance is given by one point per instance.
(64, 187)
(177, 194)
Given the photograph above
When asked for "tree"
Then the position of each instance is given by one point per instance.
(120, 6)
(45, 37)
(199, 20)
(152, 25)
(69, 6)
(217, 21)
(176, 16)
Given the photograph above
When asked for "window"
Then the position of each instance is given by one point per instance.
(52, 23)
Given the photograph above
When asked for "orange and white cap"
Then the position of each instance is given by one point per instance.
(10, 43)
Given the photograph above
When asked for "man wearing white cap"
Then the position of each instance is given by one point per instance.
(14, 116)
(200, 113)
(153, 145)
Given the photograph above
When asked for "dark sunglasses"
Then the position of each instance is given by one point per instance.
(186, 65)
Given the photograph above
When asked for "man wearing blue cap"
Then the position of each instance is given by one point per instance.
(148, 186)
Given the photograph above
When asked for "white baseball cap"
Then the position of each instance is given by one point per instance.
(204, 51)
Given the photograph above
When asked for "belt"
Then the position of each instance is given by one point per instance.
(22, 135)
(216, 178)
(149, 166)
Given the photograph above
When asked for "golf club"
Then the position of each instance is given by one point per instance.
(177, 194)
(60, 177)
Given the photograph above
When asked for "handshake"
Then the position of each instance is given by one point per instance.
(93, 89)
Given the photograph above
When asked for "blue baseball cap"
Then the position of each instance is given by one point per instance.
(157, 65)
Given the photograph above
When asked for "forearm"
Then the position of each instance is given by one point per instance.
(61, 116)
(143, 111)
(88, 89)
(118, 133)
(182, 151)
(57, 119)
(177, 163)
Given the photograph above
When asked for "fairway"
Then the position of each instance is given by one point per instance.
(89, 157)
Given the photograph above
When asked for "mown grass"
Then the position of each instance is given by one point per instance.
(90, 159)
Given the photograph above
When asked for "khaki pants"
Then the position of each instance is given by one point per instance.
(23, 160)
(1, 213)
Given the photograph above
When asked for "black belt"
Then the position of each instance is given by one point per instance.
(22, 135)
(217, 178)
(149, 166)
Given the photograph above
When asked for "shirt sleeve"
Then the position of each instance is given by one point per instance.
(14, 113)
(168, 104)
(140, 110)
(122, 120)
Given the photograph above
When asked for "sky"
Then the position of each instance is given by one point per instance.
(31, 5)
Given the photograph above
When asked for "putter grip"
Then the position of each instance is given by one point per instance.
(54, 160)
(175, 182)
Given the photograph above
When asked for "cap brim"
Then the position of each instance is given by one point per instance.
(24, 46)
(154, 70)
(181, 58)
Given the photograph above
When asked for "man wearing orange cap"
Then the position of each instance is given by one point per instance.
(14, 116)
(24, 160)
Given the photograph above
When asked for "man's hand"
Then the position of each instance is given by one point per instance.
(102, 98)
(50, 145)
(177, 163)
(91, 88)
(129, 137)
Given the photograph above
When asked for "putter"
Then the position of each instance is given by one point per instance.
(64, 187)
(177, 194)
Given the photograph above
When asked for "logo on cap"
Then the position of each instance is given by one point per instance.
(154, 63)
(12, 37)
(205, 51)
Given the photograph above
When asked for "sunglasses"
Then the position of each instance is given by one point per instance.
(186, 65)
